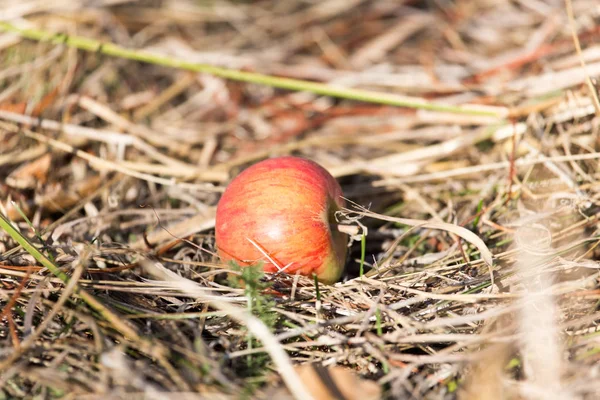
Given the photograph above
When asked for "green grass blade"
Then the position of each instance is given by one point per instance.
(110, 49)
(18, 237)
(363, 253)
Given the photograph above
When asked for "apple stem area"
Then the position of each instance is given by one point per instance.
(351, 230)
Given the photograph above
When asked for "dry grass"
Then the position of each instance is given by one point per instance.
(118, 165)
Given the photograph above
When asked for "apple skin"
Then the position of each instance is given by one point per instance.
(285, 206)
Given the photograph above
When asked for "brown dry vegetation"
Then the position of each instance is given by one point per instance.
(117, 166)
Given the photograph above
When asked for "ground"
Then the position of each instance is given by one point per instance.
(464, 135)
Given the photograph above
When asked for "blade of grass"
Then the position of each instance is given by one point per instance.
(378, 322)
(153, 349)
(363, 250)
(110, 49)
(30, 224)
(6, 225)
(317, 291)
(478, 213)
(90, 300)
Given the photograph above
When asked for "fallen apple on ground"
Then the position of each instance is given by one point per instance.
(281, 212)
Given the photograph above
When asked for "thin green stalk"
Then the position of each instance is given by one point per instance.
(6, 225)
(31, 249)
(478, 212)
(363, 253)
(318, 292)
(151, 348)
(249, 335)
(378, 322)
(35, 231)
(110, 49)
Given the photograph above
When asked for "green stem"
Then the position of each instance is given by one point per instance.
(111, 49)
(90, 300)
(363, 253)
(31, 249)
(249, 335)
(318, 292)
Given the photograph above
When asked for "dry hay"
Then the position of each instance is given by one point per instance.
(118, 166)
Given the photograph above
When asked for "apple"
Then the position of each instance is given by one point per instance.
(281, 211)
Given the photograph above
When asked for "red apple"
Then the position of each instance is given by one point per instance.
(280, 211)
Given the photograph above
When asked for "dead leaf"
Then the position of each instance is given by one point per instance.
(46, 101)
(56, 198)
(29, 175)
(333, 383)
(13, 213)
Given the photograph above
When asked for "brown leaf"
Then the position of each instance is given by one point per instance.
(13, 213)
(56, 198)
(28, 175)
(334, 383)
(44, 103)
